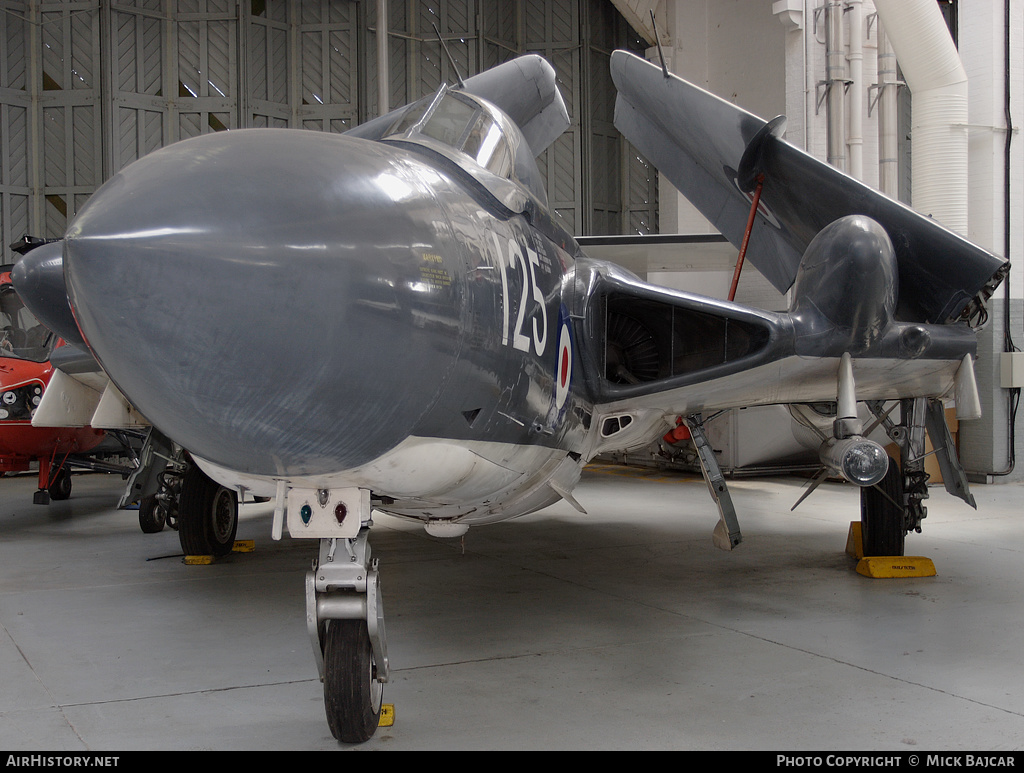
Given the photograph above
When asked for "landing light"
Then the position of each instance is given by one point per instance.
(857, 459)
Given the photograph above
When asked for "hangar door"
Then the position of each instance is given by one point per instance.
(88, 87)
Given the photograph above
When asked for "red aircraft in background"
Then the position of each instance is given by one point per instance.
(25, 372)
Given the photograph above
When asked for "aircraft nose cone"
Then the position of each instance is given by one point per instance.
(39, 279)
(267, 283)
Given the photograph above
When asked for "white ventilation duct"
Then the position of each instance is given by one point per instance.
(938, 85)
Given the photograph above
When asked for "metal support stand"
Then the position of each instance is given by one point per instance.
(727, 532)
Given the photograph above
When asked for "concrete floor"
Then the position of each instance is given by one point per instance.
(621, 629)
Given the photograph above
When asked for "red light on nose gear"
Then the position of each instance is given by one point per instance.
(340, 511)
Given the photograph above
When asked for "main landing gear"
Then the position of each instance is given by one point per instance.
(207, 515)
(894, 506)
(883, 528)
(345, 619)
(204, 513)
(172, 490)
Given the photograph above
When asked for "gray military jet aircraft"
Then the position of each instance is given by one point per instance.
(433, 344)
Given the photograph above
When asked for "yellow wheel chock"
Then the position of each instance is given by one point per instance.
(885, 567)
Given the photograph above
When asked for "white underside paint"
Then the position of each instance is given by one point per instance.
(802, 380)
(472, 482)
(433, 479)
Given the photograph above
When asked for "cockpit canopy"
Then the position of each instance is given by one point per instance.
(21, 335)
(476, 130)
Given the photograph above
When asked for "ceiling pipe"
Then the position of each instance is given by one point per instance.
(855, 137)
(938, 84)
(888, 119)
(835, 84)
(383, 67)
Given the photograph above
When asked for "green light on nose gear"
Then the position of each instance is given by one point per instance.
(306, 513)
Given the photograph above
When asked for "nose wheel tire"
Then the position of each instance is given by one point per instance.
(352, 694)
(207, 516)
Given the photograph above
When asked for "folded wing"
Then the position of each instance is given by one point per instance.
(714, 153)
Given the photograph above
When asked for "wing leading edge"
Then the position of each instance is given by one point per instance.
(713, 152)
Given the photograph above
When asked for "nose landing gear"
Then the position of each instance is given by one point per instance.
(345, 619)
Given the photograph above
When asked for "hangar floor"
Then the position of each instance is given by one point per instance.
(621, 629)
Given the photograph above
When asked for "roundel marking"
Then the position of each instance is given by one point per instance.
(563, 371)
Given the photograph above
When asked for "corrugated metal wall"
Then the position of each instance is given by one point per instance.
(86, 88)
(16, 140)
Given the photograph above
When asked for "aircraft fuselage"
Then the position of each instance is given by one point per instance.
(386, 311)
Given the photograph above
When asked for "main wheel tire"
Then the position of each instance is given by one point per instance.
(882, 525)
(60, 488)
(151, 516)
(352, 694)
(207, 516)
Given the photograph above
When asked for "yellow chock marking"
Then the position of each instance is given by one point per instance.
(854, 544)
(387, 715)
(240, 546)
(887, 567)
